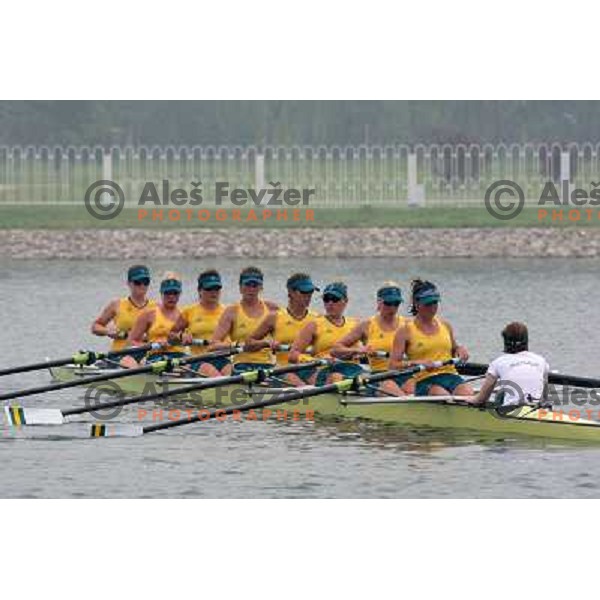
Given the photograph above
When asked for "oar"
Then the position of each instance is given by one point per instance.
(81, 358)
(554, 378)
(345, 385)
(161, 366)
(18, 415)
(133, 430)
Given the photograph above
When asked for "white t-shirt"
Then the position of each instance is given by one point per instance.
(520, 376)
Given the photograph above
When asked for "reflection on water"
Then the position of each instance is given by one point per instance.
(57, 300)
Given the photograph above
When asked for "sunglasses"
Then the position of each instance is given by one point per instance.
(171, 293)
(211, 289)
(329, 298)
(305, 293)
(252, 284)
(395, 303)
(145, 282)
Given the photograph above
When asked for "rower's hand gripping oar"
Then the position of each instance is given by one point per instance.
(18, 415)
(81, 358)
(159, 367)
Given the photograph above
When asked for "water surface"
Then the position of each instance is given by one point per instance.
(46, 309)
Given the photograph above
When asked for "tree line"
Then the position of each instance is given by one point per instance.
(279, 122)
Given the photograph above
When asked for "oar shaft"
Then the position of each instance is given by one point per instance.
(196, 387)
(83, 358)
(553, 378)
(159, 367)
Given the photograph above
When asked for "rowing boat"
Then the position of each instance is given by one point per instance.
(413, 411)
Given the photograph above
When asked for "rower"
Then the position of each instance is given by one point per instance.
(522, 376)
(198, 321)
(322, 334)
(427, 339)
(279, 329)
(239, 320)
(118, 316)
(155, 324)
(376, 335)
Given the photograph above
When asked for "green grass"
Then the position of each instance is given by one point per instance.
(76, 217)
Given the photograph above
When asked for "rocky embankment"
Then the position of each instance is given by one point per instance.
(382, 242)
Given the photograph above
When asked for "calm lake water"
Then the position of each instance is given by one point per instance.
(46, 309)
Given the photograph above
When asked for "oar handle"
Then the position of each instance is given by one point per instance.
(161, 366)
(82, 358)
(288, 347)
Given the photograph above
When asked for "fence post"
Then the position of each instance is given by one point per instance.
(259, 171)
(416, 192)
(565, 172)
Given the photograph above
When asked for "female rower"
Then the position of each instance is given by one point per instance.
(198, 321)
(117, 318)
(155, 324)
(279, 329)
(239, 320)
(377, 336)
(427, 339)
(322, 334)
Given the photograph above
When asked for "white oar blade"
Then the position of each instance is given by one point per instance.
(73, 431)
(18, 415)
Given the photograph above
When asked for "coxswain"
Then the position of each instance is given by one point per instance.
(518, 376)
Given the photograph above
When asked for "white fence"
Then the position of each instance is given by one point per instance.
(341, 176)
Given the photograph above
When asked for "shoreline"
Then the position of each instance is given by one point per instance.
(306, 242)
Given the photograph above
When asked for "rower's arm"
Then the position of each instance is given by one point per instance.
(223, 329)
(181, 324)
(546, 373)
(457, 350)
(487, 388)
(103, 325)
(140, 327)
(397, 360)
(343, 347)
(302, 342)
(257, 340)
(272, 306)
